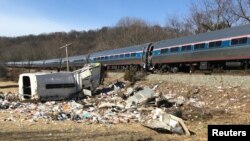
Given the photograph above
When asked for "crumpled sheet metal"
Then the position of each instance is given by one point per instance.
(140, 97)
(163, 121)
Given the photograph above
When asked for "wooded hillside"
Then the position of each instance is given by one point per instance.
(204, 16)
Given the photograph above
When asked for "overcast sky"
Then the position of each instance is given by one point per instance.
(24, 17)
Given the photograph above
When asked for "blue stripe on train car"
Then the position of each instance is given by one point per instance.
(138, 55)
(156, 52)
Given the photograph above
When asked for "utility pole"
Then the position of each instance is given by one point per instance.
(67, 57)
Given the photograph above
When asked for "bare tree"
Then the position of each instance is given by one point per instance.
(228, 17)
(131, 21)
(241, 8)
(174, 25)
(177, 27)
(210, 15)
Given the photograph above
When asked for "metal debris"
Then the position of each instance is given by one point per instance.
(140, 97)
(162, 121)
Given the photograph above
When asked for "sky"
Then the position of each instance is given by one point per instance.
(25, 17)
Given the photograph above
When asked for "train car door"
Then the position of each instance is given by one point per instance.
(150, 55)
(146, 56)
(87, 59)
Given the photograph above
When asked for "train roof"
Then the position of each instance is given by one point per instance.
(135, 48)
(84, 57)
(53, 60)
(213, 35)
(37, 61)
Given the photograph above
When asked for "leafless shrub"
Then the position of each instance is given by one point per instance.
(3, 71)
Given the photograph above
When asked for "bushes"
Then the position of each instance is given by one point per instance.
(3, 71)
(130, 75)
(10, 74)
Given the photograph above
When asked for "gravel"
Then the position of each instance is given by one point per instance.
(213, 80)
(223, 81)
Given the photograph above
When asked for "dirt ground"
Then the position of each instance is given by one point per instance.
(226, 105)
(8, 86)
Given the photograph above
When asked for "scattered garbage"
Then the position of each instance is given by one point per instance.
(195, 102)
(178, 101)
(129, 91)
(163, 102)
(113, 104)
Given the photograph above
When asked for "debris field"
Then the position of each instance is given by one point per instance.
(172, 109)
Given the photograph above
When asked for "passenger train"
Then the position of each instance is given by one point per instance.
(222, 49)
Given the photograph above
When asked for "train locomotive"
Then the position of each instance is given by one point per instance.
(222, 49)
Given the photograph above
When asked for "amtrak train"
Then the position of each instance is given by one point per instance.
(222, 49)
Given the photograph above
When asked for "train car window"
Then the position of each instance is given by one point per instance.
(112, 57)
(243, 40)
(215, 44)
(121, 55)
(186, 48)
(116, 56)
(199, 46)
(127, 55)
(239, 41)
(106, 57)
(102, 58)
(133, 54)
(174, 49)
(164, 51)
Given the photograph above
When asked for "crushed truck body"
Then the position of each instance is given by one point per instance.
(60, 85)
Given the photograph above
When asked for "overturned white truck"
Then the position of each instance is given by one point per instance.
(59, 85)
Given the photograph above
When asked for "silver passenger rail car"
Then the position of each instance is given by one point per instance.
(218, 49)
(75, 61)
(37, 64)
(122, 58)
(52, 63)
